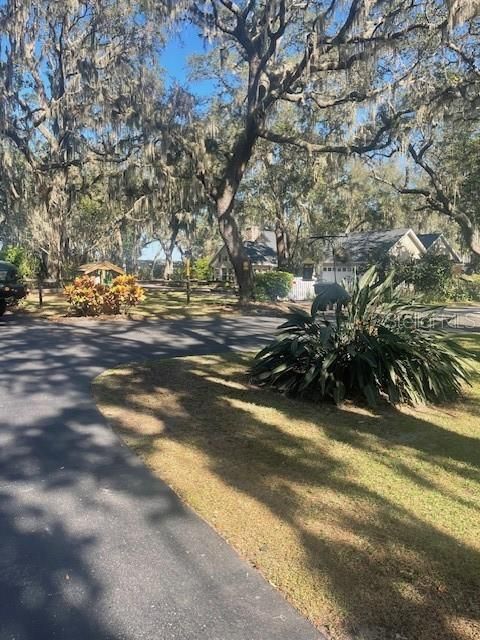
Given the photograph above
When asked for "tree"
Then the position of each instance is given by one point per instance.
(440, 134)
(317, 55)
(78, 99)
(447, 181)
(14, 184)
(278, 190)
(305, 196)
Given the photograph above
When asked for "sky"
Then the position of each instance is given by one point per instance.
(175, 56)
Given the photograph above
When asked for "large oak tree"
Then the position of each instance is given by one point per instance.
(352, 60)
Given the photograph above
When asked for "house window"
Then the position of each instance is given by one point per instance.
(329, 268)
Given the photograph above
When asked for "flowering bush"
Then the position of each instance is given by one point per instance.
(86, 298)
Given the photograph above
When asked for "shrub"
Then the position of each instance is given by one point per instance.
(86, 298)
(272, 285)
(433, 276)
(374, 348)
(25, 262)
(179, 272)
(465, 288)
(124, 294)
(202, 269)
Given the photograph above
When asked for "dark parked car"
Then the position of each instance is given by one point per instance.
(12, 288)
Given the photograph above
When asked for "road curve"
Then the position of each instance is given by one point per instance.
(92, 545)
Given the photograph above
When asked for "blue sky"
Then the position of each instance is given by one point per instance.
(175, 57)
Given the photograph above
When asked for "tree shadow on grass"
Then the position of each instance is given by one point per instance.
(391, 572)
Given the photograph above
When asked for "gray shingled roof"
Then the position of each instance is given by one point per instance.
(362, 246)
(261, 253)
(427, 239)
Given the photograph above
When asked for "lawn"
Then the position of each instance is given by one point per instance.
(368, 522)
(157, 304)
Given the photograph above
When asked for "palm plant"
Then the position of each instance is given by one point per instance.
(374, 347)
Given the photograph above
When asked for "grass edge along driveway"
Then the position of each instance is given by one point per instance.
(368, 522)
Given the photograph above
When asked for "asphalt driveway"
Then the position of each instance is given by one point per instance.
(92, 546)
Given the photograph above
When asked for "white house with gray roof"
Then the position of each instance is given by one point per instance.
(261, 248)
(437, 243)
(356, 251)
(353, 253)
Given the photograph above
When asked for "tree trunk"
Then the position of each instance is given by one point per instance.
(168, 270)
(168, 249)
(239, 259)
(236, 251)
(225, 200)
(281, 237)
(469, 232)
(154, 264)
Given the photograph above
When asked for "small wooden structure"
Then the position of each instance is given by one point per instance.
(100, 270)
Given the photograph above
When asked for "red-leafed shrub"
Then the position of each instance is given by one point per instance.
(86, 298)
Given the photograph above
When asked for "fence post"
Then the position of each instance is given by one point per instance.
(40, 293)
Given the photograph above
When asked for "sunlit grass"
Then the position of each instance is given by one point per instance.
(369, 522)
(157, 304)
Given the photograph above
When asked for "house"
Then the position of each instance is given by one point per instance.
(437, 243)
(356, 251)
(261, 248)
(353, 253)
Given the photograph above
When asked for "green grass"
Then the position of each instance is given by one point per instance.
(369, 522)
(157, 304)
(174, 303)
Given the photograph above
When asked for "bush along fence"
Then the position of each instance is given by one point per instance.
(273, 285)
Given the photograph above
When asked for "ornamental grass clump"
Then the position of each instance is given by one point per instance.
(374, 348)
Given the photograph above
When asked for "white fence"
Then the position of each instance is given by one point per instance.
(301, 290)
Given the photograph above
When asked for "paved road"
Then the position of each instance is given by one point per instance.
(464, 317)
(92, 546)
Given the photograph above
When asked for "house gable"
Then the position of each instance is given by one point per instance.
(362, 248)
(407, 247)
(437, 244)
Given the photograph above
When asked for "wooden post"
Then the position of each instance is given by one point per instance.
(188, 255)
(40, 293)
